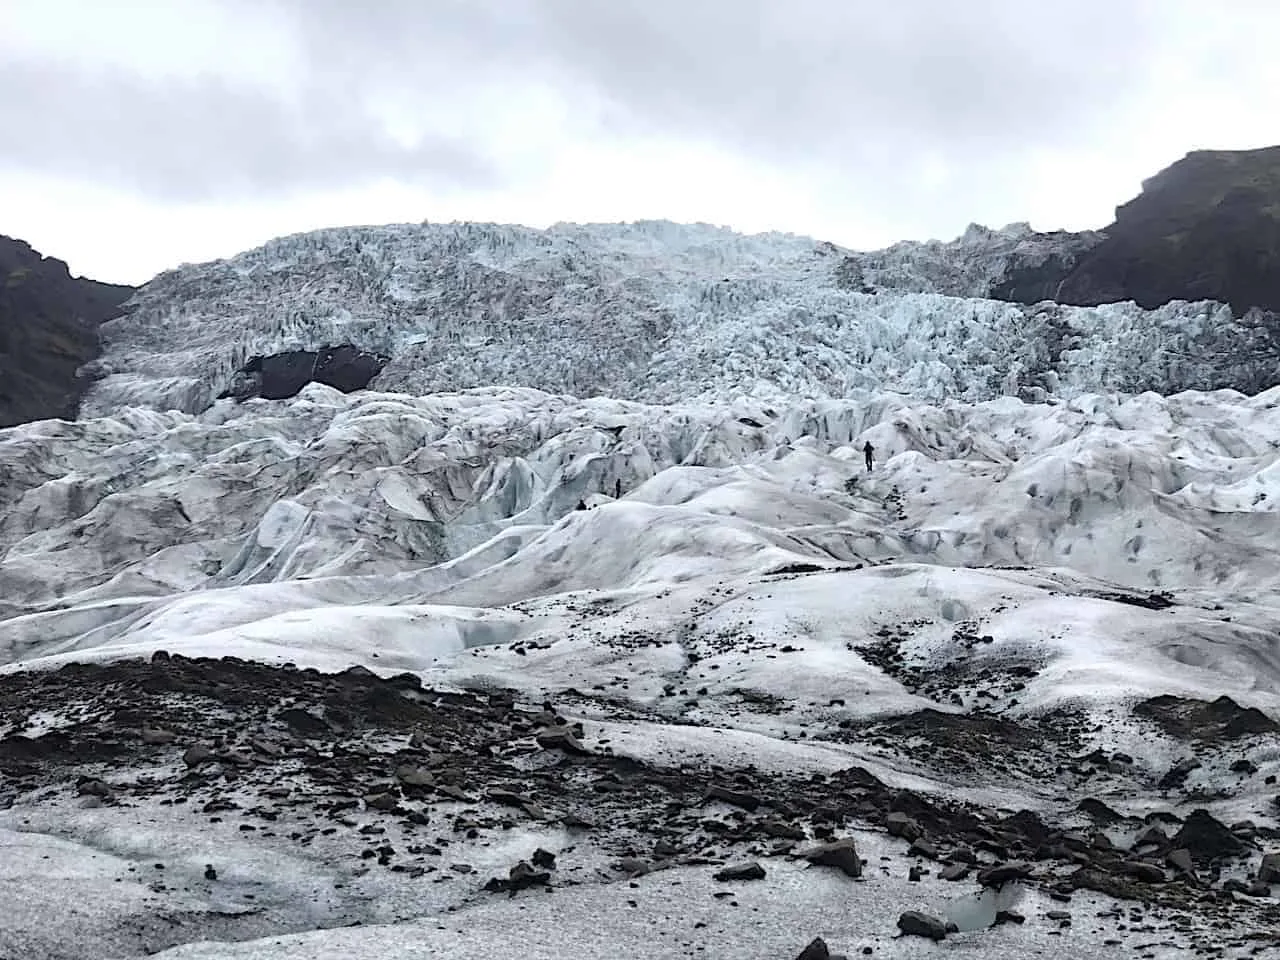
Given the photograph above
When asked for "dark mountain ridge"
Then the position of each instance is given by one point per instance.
(48, 329)
(1204, 228)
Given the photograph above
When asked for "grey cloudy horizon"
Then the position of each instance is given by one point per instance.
(146, 133)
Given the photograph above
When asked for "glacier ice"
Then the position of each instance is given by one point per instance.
(656, 312)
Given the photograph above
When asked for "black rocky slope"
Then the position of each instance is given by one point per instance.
(1206, 228)
(48, 329)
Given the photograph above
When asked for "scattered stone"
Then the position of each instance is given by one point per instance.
(841, 854)
(1002, 873)
(1141, 870)
(923, 848)
(561, 738)
(1269, 869)
(157, 737)
(901, 825)
(197, 754)
(913, 923)
(382, 801)
(1178, 773)
(634, 867)
(1223, 719)
(414, 776)
(741, 871)
(816, 950)
(520, 877)
(736, 798)
(1098, 811)
(1151, 837)
(1207, 838)
(1180, 859)
(93, 787)
(954, 871)
(780, 830)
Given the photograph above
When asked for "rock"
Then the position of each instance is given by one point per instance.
(901, 825)
(382, 801)
(1098, 811)
(1223, 719)
(741, 871)
(1008, 916)
(914, 874)
(1181, 861)
(543, 859)
(923, 848)
(816, 950)
(454, 792)
(916, 924)
(1269, 869)
(1141, 870)
(1058, 915)
(1245, 766)
(521, 876)
(1002, 873)
(92, 787)
(634, 866)
(414, 776)
(1178, 773)
(157, 737)
(665, 848)
(954, 871)
(48, 331)
(197, 754)
(1259, 889)
(560, 738)
(1151, 837)
(209, 872)
(736, 798)
(841, 854)
(1207, 838)
(512, 799)
(780, 830)
(280, 376)
(1201, 229)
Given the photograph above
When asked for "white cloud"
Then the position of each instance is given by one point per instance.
(220, 124)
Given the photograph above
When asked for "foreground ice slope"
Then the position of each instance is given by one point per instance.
(653, 311)
(334, 528)
(1016, 597)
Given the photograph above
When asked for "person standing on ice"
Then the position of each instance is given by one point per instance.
(869, 451)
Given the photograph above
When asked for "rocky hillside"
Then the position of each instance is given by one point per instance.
(48, 329)
(1206, 228)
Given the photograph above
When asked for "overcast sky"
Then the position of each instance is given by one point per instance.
(138, 134)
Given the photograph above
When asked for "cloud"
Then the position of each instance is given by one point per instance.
(862, 122)
(207, 138)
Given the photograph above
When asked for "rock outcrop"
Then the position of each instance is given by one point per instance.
(1205, 228)
(282, 375)
(48, 330)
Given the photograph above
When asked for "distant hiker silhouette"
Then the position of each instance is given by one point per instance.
(869, 451)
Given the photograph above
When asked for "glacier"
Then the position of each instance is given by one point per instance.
(656, 312)
(612, 477)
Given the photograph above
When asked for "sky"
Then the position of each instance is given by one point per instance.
(140, 134)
